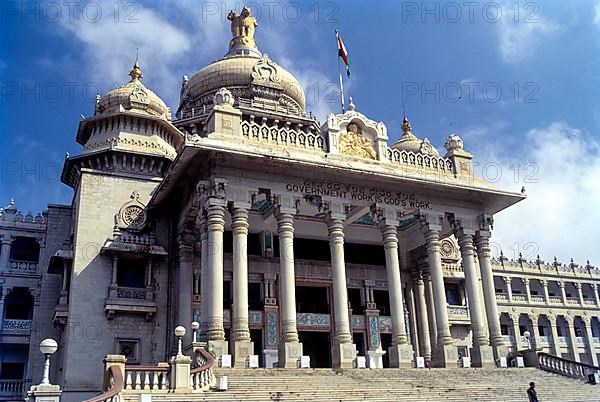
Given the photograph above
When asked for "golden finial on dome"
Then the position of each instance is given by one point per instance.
(406, 127)
(136, 72)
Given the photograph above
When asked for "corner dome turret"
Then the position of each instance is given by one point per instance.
(134, 97)
(409, 142)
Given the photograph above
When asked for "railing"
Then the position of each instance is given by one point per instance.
(589, 302)
(115, 382)
(13, 387)
(519, 298)
(202, 376)
(509, 338)
(562, 340)
(501, 297)
(147, 377)
(543, 339)
(579, 340)
(569, 368)
(27, 266)
(458, 311)
(538, 299)
(555, 299)
(572, 300)
(131, 293)
(16, 325)
(419, 160)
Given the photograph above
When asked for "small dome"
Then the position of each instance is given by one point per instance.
(409, 142)
(453, 142)
(243, 75)
(133, 96)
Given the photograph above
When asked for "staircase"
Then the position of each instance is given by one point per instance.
(458, 385)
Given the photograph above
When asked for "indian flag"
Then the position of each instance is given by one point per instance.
(342, 52)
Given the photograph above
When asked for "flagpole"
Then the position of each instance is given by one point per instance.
(340, 73)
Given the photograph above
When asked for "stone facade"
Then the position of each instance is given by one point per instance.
(281, 236)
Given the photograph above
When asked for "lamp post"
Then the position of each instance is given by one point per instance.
(195, 326)
(48, 346)
(527, 336)
(179, 333)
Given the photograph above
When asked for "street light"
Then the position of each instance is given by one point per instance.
(179, 333)
(527, 334)
(48, 346)
(195, 326)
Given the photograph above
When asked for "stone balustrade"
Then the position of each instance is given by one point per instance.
(572, 300)
(23, 266)
(519, 298)
(16, 325)
(13, 387)
(558, 365)
(147, 378)
(555, 299)
(537, 299)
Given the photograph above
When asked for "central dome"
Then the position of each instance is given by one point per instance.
(246, 76)
(252, 77)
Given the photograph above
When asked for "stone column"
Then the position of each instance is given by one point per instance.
(489, 291)
(242, 346)
(184, 283)
(535, 331)
(205, 297)
(527, 289)
(423, 324)
(5, 253)
(516, 329)
(554, 332)
(596, 290)
(446, 354)
(579, 292)
(215, 332)
(572, 341)
(545, 287)
(344, 351)
(590, 340)
(508, 281)
(430, 305)
(400, 352)
(481, 352)
(290, 349)
(412, 319)
(563, 292)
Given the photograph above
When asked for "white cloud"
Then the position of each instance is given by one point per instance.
(521, 32)
(110, 47)
(559, 168)
(597, 13)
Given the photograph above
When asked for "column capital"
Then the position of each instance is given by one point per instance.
(544, 282)
(334, 211)
(239, 219)
(578, 285)
(525, 281)
(389, 233)
(431, 222)
(214, 188)
(569, 319)
(561, 284)
(486, 224)
(6, 239)
(385, 215)
(335, 228)
(285, 204)
(215, 216)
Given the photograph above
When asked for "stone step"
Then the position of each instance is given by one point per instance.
(403, 385)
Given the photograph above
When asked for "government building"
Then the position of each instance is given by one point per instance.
(281, 236)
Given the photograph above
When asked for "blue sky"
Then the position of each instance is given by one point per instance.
(517, 80)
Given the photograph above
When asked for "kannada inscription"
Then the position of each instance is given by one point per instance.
(353, 192)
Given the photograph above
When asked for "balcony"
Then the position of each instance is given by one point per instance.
(458, 313)
(16, 325)
(23, 266)
(13, 389)
(130, 300)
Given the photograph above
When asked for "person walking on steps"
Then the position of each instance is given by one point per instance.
(531, 393)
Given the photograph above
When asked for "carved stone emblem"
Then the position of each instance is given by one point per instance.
(265, 70)
(352, 143)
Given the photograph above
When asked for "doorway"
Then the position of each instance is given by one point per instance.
(317, 345)
(256, 336)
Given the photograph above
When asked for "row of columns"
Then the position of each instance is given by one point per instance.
(553, 321)
(488, 341)
(212, 222)
(545, 284)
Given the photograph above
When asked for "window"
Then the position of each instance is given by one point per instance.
(25, 249)
(255, 301)
(131, 273)
(578, 332)
(504, 329)
(18, 304)
(355, 299)
(312, 299)
(129, 348)
(12, 371)
(382, 301)
(453, 294)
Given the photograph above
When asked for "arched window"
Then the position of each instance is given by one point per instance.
(18, 304)
(25, 249)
